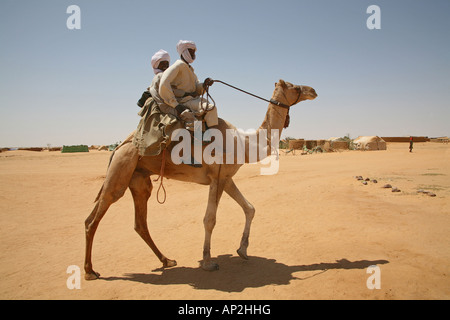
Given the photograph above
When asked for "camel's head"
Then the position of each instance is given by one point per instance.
(294, 94)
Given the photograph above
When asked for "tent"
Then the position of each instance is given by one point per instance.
(369, 143)
(79, 148)
(339, 143)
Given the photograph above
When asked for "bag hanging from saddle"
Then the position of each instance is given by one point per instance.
(154, 130)
(145, 95)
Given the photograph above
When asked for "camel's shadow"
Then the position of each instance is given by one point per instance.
(236, 274)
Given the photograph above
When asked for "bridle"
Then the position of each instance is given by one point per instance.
(277, 103)
(287, 120)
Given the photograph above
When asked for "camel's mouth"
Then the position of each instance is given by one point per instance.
(311, 94)
(307, 93)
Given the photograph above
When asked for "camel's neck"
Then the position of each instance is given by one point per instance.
(274, 121)
(275, 116)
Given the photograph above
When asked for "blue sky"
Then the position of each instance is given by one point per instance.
(64, 87)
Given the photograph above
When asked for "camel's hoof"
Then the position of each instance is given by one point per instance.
(169, 263)
(242, 253)
(92, 275)
(212, 266)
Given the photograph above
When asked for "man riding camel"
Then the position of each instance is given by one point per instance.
(160, 62)
(175, 93)
(181, 91)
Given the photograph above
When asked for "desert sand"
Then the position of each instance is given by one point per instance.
(316, 231)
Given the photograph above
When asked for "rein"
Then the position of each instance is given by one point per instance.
(272, 101)
(254, 95)
(208, 96)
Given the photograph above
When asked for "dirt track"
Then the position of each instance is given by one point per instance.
(316, 230)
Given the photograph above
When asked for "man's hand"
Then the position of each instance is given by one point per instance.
(187, 116)
(208, 82)
(180, 108)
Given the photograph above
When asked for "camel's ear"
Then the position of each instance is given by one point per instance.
(282, 83)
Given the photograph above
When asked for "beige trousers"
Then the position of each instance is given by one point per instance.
(199, 106)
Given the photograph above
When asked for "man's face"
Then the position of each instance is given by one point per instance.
(163, 65)
(192, 53)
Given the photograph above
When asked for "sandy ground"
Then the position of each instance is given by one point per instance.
(316, 230)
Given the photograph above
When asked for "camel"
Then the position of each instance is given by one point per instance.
(127, 169)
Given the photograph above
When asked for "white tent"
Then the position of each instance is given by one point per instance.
(369, 143)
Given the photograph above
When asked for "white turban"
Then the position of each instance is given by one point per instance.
(159, 56)
(182, 48)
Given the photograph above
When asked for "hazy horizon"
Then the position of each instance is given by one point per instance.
(62, 86)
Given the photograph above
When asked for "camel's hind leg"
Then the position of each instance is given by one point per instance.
(91, 225)
(117, 180)
(141, 189)
(232, 190)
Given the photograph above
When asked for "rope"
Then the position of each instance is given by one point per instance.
(161, 175)
(163, 161)
(254, 95)
(287, 119)
(236, 88)
(208, 96)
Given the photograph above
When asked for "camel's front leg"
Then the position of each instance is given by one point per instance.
(209, 221)
(249, 210)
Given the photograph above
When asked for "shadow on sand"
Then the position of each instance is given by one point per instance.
(236, 274)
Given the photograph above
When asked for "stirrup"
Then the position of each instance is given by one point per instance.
(194, 163)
